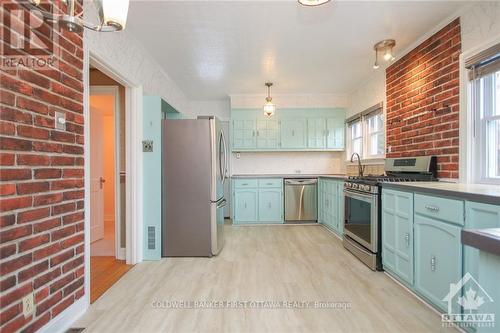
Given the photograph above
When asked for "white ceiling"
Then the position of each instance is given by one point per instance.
(213, 49)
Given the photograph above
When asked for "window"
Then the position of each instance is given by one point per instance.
(366, 133)
(485, 102)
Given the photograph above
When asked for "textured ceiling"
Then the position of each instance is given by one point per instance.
(212, 49)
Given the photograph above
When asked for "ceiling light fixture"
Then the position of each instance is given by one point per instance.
(385, 46)
(269, 107)
(312, 3)
(112, 15)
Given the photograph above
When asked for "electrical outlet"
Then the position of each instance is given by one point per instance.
(298, 171)
(238, 155)
(28, 305)
(147, 146)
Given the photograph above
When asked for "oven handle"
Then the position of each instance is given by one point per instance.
(355, 195)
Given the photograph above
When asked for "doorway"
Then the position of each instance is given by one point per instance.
(107, 183)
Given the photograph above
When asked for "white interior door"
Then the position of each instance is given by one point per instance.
(96, 177)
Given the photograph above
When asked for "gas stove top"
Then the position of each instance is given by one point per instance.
(397, 170)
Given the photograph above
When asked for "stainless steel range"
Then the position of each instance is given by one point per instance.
(362, 225)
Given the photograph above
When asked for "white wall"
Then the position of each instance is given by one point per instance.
(221, 109)
(370, 92)
(480, 23)
(128, 57)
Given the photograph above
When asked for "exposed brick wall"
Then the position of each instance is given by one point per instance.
(423, 101)
(41, 187)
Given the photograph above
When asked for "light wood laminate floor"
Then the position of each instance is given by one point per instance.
(261, 263)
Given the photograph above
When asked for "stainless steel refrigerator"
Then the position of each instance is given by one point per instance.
(194, 164)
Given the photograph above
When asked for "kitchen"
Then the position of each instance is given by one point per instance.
(305, 165)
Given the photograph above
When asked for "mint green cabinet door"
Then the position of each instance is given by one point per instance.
(316, 133)
(245, 205)
(340, 205)
(293, 133)
(335, 205)
(397, 233)
(270, 205)
(244, 134)
(267, 134)
(321, 198)
(478, 216)
(438, 260)
(335, 133)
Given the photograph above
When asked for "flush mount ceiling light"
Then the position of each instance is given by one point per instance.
(386, 47)
(269, 107)
(312, 3)
(112, 15)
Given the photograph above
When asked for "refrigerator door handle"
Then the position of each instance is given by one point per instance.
(223, 147)
(221, 203)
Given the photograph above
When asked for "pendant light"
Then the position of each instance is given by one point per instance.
(386, 47)
(269, 107)
(312, 3)
(112, 15)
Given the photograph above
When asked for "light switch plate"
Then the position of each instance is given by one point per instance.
(147, 146)
(28, 305)
(60, 121)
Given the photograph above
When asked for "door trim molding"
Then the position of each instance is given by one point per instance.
(133, 134)
(114, 91)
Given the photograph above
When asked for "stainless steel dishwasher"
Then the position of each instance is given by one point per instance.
(301, 200)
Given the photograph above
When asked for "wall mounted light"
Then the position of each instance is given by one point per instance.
(312, 3)
(269, 107)
(386, 47)
(112, 15)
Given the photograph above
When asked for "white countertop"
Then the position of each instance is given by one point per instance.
(481, 189)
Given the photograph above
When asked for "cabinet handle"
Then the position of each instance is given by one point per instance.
(432, 208)
(257, 133)
(269, 205)
(433, 263)
(244, 184)
(407, 239)
(253, 133)
(245, 204)
(269, 183)
(293, 132)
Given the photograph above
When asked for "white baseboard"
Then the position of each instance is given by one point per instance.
(65, 319)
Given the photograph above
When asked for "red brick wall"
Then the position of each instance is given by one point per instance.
(41, 188)
(423, 101)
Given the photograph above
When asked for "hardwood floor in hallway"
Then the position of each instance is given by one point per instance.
(292, 264)
(104, 272)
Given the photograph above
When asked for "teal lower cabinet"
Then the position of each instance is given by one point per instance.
(331, 204)
(438, 260)
(270, 205)
(258, 201)
(478, 216)
(245, 205)
(397, 234)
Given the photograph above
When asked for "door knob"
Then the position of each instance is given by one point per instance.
(101, 182)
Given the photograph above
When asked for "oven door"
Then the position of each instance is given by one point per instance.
(361, 218)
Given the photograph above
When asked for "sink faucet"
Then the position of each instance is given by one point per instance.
(361, 168)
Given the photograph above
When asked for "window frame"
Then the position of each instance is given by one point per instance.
(363, 119)
(480, 127)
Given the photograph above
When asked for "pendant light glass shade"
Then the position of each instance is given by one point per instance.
(113, 12)
(312, 2)
(269, 107)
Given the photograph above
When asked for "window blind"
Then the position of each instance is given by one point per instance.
(373, 109)
(484, 63)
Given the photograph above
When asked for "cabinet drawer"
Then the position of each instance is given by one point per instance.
(271, 182)
(449, 210)
(244, 183)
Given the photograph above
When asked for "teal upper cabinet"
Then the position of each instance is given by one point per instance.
(335, 133)
(438, 259)
(311, 129)
(293, 133)
(244, 134)
(397, 233)
(478, 216)
(316, 133)
(267, 134)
